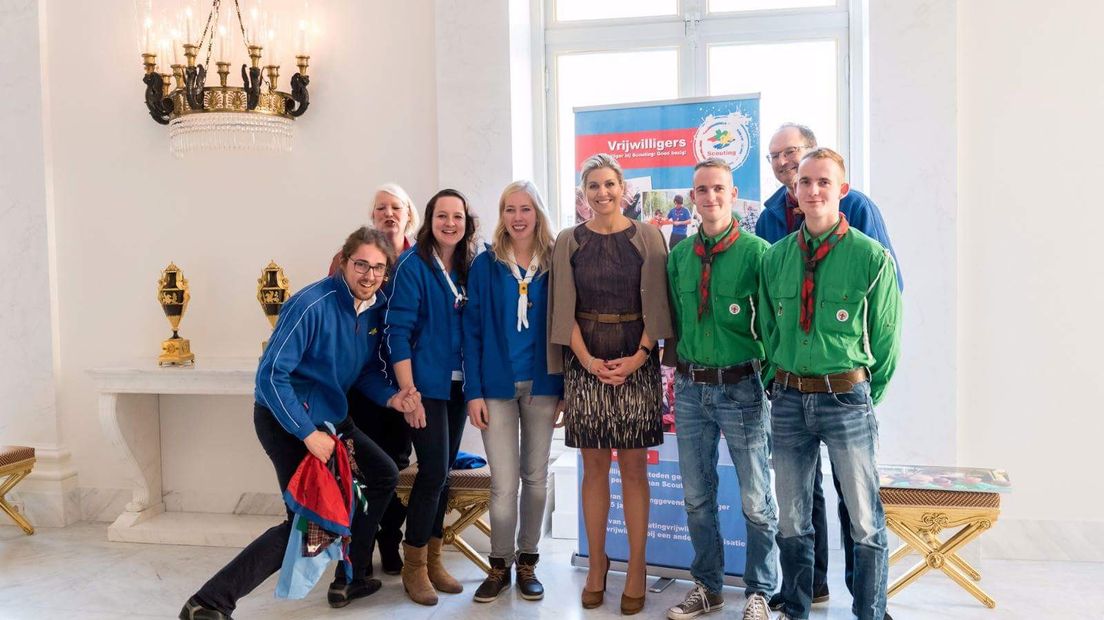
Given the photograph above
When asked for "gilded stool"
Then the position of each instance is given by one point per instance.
(469, 495)
(16, 463)
(918, 516)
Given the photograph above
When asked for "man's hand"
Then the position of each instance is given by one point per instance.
(405, 400)
(321, 445)
(417, 417)
(477, 413)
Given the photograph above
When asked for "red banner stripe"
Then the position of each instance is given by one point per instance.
(640, 149)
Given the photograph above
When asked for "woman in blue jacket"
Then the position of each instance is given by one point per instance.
(423, 339)
(507, 385)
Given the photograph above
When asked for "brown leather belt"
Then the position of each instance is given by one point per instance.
(821, 384)
(717, 376)
(608, 318)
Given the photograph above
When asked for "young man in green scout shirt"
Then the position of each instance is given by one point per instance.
(831, 313)
(714, 281)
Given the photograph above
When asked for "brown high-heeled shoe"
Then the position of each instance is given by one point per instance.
(592, 599)
(631, 605)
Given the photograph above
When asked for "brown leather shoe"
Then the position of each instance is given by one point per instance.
(415, 577)
(591, 599)
(438, 576)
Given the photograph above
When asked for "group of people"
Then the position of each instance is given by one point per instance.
(418, 331)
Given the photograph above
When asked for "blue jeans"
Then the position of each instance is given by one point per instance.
(845, 422)
(702, 413)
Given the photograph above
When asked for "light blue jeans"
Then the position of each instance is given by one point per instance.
(518, 440)
(845, 422)
(702, 413)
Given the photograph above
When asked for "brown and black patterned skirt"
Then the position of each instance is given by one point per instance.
(625, 416)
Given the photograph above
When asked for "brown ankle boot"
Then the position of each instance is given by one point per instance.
(415, 578)
(438, 576)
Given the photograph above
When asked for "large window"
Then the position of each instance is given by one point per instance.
(795, 53)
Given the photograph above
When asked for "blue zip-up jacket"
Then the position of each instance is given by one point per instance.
(491, 310)
(319, 350)
(423, 326)
(857, 207)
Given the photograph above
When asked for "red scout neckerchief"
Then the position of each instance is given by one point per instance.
(793, 222)
(811, 263)
(707, 256)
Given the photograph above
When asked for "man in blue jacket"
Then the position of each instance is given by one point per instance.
(326, 341)
(780, 217)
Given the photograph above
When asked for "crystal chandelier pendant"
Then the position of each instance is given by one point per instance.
(230, 131)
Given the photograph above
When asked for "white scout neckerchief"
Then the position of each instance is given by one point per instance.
(523, 287)
(459, 295)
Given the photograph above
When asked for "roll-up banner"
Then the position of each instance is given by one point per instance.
(658, 144)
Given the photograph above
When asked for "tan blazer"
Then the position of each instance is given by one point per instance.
(561, 290)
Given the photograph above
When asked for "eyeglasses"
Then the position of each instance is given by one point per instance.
(787, 153)
(362, 267)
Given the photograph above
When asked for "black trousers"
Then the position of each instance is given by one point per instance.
(389, 430)
(436, 445)
(264, 555)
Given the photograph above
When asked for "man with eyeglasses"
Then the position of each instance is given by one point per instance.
(326, 341)
(781, 216)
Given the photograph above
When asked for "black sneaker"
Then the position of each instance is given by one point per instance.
(820, 594)
(697, 602)
(498, 579)
(530, 587)
(194, 610)
(341, 594)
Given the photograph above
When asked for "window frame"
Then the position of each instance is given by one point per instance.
(692, 32)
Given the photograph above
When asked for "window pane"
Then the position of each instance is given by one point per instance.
(600, 79)
(719, 6)
(575, 10)
(798, 82)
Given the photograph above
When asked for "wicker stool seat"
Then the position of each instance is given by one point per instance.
(469, 495)
(16, 463)
(919, 515)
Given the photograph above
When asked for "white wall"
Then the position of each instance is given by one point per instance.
(125, 208)
(28, 413)
(1030, 263)
(913, 179)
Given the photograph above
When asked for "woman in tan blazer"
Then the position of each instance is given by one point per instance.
(607, 311)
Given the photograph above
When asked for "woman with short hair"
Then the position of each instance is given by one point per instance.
(609, 309)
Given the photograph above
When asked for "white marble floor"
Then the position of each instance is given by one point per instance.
(75, 573)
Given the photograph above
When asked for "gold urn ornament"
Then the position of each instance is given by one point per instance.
(273, 289)
(172, 293)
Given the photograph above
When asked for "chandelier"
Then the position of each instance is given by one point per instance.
(253, 116)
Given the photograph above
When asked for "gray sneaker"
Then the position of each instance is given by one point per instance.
(756, 608)
(697, 602)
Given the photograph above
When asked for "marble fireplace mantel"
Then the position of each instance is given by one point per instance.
(129, 412)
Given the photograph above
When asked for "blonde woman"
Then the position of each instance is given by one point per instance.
(510, 396)
(608, 310)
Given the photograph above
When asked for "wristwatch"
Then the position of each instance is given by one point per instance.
(646, 350)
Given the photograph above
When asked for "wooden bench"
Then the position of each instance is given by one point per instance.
(469, 495)
(16, 463)
(919, 516)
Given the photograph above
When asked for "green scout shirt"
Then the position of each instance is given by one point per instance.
(857, 316)
(728, 332)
